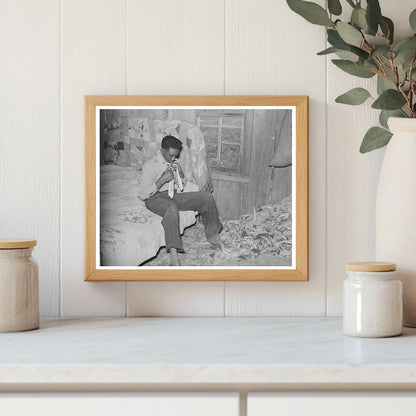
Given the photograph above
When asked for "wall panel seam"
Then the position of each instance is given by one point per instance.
(225, 46)
(224, 293)
(126, 58)
(126, 91)
(326, 180)
(60, 17)
(326, 184)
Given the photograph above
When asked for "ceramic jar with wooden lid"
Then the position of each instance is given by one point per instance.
(19, 286)
(372, 300)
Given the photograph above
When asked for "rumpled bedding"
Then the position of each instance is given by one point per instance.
(129, 233)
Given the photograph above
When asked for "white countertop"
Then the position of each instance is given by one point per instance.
(204, 351)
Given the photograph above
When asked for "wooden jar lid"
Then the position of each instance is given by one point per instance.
(371, 266)
(11, 243)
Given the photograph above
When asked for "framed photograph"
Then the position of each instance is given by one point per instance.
(196, 188)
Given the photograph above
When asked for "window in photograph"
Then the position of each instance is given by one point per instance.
(223, 131)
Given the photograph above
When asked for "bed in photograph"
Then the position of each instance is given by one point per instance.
(129, 233)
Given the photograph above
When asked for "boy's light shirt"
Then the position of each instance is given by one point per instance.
(152, 171)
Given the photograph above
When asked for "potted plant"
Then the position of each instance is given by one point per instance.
(364, 46)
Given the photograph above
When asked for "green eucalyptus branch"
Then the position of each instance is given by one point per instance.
(366, 48)
(411, 89)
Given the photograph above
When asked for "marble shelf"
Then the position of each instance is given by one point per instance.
(287, 352)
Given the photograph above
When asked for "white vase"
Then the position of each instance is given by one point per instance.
(396, 210)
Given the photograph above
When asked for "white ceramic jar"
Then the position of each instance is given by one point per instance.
(372, 300)
(19, 286)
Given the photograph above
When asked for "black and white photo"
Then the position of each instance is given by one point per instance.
(196, 187)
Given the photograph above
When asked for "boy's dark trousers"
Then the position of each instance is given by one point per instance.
(168, 208)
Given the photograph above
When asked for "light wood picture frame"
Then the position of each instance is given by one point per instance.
(241, 142)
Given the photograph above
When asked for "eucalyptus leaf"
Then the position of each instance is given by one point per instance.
(392, 76)
(349, 34)
(373, 15)
(387, 27)
(311, 12)
(389, 72)
(352, 68)
(386, 114)
(347, 55)
(375, 138)
(383, 84)
(381, 50)
(371, 65)
(406, 43)
(405, 50)
(336, 41)
(360, 52)
(350, 56)
(355, 96)
(327, 51)
(412, 20)
(334, 7)
(389, 100)
(383, 53)
(358, 18)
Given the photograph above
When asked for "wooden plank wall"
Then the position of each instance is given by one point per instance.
(229, 198)
(281, 177)
(263, 184)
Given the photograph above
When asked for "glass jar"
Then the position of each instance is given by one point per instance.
(372, 300)
(19, 286)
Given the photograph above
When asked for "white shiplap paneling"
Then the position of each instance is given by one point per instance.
(93, 63)
(29, 135)
(267, 54)
(175, 299)
(175, 48)
(352, 177)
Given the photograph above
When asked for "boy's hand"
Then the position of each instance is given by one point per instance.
(208, 186)
(166, 176)
(181, 172)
